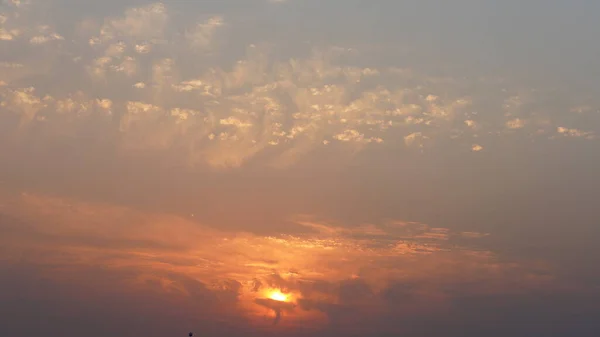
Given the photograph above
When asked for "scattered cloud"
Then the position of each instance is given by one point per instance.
(280, 110)
(516, 123)
(575, 133)
(201, 36)
(146, 23)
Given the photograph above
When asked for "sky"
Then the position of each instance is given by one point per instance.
(299, 168)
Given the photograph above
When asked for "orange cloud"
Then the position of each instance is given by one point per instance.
(331, 275)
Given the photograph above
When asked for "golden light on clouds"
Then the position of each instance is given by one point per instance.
(278, 296)
(327, 273)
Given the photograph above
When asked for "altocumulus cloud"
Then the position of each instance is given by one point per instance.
(153, 84)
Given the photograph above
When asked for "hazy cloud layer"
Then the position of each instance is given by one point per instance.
(332, 275)
(299, 168)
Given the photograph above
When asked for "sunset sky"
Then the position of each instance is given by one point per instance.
(300, 168)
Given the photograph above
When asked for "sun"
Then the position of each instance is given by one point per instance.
(277, 295)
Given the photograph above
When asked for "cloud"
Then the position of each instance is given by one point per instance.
(575, 133)
(146, 23)
(476, 147)
(260, 108)
(278, 307)
(45, 35)
(337, 271)
(17, 3)
(415, 139)
(202, 35)
(474, 235)
(181, 145)
(515, 123)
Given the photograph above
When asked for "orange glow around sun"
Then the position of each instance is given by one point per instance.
(278, 296)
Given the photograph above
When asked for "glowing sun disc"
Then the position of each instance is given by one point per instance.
(278, 296)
